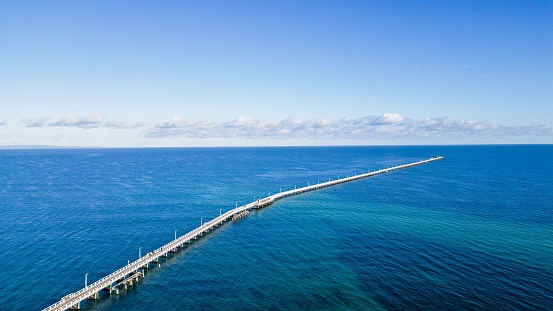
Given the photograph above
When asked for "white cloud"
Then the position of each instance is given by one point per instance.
(93, 120)
(387, 126)
(390, 118)
(122, 124)
(43, 122)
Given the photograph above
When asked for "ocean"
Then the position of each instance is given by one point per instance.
(473, 231)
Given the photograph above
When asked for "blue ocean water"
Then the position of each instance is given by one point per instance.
(472, 231)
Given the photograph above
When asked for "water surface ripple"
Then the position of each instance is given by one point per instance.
(473, 231)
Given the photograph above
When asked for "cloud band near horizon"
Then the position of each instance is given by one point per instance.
(389, 125)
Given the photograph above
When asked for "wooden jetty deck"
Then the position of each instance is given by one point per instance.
(129, 274)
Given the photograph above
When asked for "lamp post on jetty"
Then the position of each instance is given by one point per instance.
(175, 234)
(86, 279)
(201, 222)
(139, 252)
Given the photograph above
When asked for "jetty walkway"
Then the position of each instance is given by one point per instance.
(132, 272)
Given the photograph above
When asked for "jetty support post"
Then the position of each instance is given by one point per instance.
(93, 297)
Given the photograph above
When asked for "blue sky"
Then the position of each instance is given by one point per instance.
(210, 73)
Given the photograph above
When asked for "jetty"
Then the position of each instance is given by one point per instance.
(131, 273)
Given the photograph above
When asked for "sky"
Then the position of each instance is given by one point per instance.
(256, 73)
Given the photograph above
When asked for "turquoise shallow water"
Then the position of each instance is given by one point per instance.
(473, 231)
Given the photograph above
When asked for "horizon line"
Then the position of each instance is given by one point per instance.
(39, 147)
